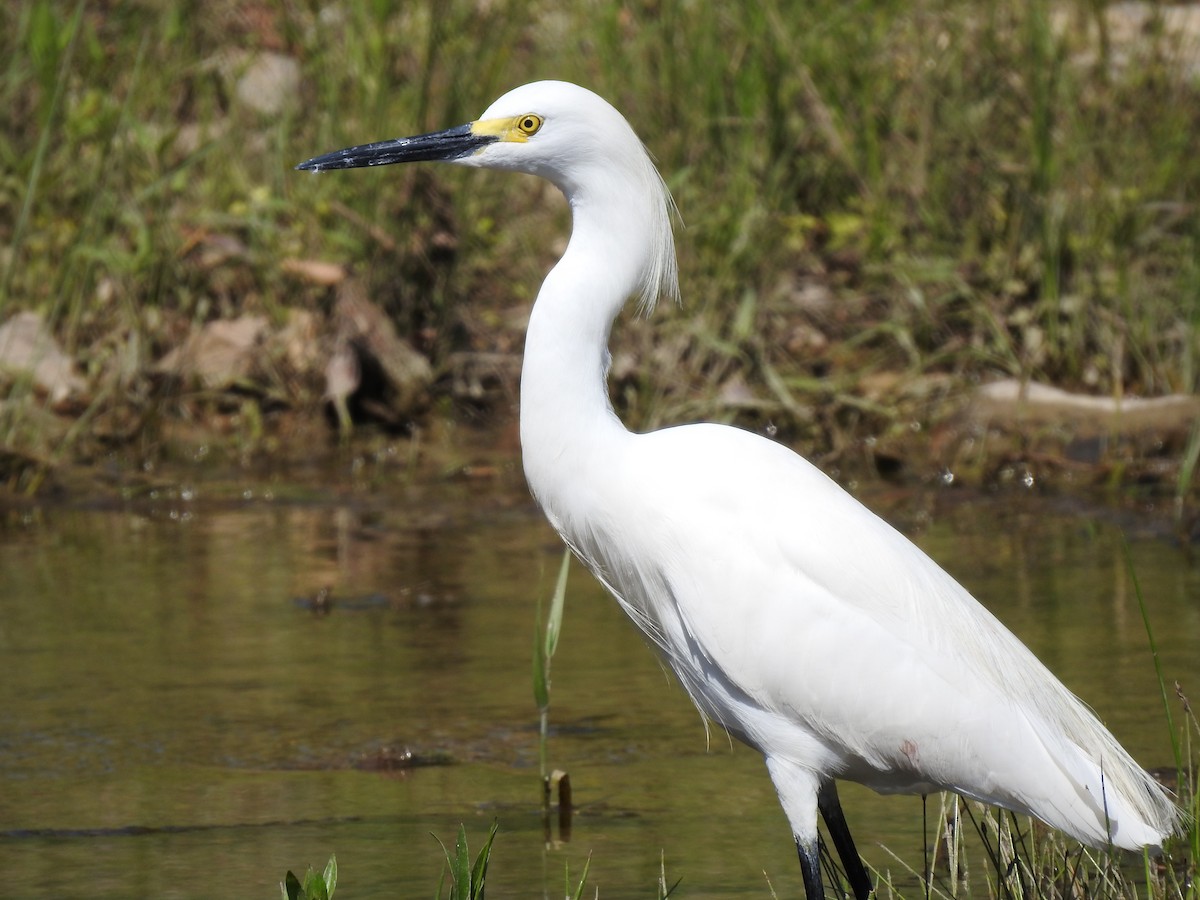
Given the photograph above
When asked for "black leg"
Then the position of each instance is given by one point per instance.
(810, 868)
(839, 833)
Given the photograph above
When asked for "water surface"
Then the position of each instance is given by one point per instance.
(178, 712)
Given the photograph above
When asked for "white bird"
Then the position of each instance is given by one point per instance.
(795, 618)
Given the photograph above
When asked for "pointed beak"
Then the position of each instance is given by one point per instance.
(448, 145)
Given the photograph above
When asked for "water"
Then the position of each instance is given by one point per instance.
(176, 714)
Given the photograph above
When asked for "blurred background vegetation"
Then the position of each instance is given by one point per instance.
(885, 204)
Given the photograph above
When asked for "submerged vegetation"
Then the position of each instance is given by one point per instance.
(885, 204)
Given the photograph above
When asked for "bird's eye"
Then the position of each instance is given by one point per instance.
(529, 124)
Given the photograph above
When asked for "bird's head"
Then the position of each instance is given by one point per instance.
(563, 133)
(549, 128)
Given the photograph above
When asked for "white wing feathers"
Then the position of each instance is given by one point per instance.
(895, 675)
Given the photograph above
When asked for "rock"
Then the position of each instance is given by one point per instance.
(735, 393)
(299, 342)
(476, 376)
(365, 330)
(28, 349)
(219, 353)
(268, 83)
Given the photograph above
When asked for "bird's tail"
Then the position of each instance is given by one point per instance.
(1116, 801)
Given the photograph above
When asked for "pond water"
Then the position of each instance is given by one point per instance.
(178, 713)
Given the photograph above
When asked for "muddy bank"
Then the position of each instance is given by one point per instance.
(306, 389)
(959, 200)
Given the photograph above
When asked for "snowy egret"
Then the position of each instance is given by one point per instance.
(795, 618)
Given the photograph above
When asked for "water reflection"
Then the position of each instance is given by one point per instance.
(171, 713)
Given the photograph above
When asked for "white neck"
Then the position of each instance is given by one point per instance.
(568, 426)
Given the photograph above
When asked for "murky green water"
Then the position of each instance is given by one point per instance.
(172, 719)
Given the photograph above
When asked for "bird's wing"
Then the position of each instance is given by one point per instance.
(760, 539)
(783, 602)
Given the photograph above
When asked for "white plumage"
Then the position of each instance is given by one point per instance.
(794, 617)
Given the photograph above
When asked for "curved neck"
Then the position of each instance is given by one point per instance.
(568, 426)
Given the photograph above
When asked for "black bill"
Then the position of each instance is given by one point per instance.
(453, 143)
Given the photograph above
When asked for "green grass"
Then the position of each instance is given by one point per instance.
(314, 886)
(885, 202)
(468, 881)
(545, 643)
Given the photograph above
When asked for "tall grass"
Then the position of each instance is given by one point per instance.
(884, 201)
(468, 880)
